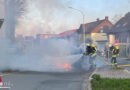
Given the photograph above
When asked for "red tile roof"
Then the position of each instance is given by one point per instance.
(90, 27)
(66, 33)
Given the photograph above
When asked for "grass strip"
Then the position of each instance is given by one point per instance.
(98, 83)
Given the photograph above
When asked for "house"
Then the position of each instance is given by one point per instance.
(121, 34)
(41, 38)
(96, 31)
(45, 36)
(70, 35)
(67, 33)
(1, 22)
(121, 30)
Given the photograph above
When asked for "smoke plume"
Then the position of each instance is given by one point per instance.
(53, 55)
(44, 16)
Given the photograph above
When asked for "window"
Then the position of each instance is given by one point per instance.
(128, 39)
(101, 31)
(125, 24)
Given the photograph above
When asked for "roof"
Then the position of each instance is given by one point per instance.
(1, 22)
(90, 27)
(123, 25)
(45, 36)
(66, 33)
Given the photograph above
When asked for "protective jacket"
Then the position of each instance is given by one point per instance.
(91, 50)
(88, 50)
(111, 48)
(115, 52)
(94, 51)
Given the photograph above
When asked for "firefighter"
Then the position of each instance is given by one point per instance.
(92, 56)
(115, 54)
(112, 47)
(88, 49)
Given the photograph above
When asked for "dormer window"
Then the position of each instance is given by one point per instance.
(124, 24)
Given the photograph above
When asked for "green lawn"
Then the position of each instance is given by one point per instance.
(98, 83)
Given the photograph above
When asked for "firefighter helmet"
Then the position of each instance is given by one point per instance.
(117, 47)
(87, 44)
(93, 45)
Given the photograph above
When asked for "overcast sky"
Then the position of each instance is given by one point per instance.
(44, 16)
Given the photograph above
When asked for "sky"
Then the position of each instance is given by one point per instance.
(100, 8)
(54, 16)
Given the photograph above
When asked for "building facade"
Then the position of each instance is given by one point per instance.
(121, 29)
(121, 34)
(69, 35)
(96, 31)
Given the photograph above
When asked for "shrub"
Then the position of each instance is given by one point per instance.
(96, 77)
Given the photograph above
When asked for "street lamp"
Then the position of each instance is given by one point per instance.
(83, 25)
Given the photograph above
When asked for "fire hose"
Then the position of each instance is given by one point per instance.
(104, 61)
(110, 63)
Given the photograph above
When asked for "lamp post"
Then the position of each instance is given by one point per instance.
(83, 26)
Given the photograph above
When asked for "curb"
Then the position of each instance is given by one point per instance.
(86, 82)
(90, 78)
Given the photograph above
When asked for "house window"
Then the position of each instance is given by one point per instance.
(128, 39)
(111, 38)
(101, 31)
(124, 24)
(121, 39)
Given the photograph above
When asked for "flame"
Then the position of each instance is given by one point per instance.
(65, 66)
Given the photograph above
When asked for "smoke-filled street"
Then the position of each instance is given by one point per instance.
(62, 44)
(47, 81)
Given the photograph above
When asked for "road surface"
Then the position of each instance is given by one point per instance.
(48, 81)
(45, 81)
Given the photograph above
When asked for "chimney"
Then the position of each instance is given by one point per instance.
(98, 19)
(106, 18)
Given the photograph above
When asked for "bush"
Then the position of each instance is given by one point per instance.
(96, 77)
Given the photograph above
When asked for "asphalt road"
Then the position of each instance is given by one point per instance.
(49, 81)
(45, 81)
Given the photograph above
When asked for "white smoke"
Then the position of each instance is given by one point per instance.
(1, 9)
(43, 16)
(13, 9)
(50, 56)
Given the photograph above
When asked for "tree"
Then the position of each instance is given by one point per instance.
(116, 18)
(14, 9)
